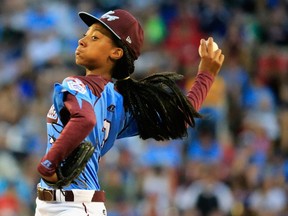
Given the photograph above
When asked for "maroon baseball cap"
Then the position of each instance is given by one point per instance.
(123, 25)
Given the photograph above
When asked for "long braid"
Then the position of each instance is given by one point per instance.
(158, 105)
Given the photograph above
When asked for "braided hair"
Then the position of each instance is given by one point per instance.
(160, 108)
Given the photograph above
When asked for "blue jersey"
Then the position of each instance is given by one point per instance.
(112, 123)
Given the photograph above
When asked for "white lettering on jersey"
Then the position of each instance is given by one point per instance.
(52, 113)
(105, 130)
(76, 85)
(109, 17)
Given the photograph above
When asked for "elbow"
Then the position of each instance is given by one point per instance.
(90, 121)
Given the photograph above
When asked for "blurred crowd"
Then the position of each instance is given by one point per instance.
(233, 163)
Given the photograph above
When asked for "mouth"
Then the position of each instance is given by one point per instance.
(77, 52)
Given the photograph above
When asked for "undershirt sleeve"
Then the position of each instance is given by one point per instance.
(200, 89)
(80, 124)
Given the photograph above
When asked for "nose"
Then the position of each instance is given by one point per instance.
(81, 42)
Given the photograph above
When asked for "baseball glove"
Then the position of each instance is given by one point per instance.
(70, 168)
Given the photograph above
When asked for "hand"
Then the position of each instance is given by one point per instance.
(52, 179)
(211, 61)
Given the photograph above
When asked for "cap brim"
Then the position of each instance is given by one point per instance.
(89, 20)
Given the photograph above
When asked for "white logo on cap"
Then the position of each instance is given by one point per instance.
(109, 17)
(128, 39)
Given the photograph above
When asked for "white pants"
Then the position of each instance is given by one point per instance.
(44, 208)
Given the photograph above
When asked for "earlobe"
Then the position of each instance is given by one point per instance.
(117, 53)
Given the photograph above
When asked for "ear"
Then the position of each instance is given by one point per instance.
(116, 53)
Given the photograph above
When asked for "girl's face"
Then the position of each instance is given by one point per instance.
(96, 49)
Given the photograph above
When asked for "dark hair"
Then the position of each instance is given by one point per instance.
(124, 66)
(160, 108)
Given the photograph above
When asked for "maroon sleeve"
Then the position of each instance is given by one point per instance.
(80, 124)
(200, 89)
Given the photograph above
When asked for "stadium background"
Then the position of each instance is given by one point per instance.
(233, 163)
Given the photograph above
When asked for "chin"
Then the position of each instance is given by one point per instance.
(78, 62)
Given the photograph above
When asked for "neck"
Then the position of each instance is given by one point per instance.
(105, 75)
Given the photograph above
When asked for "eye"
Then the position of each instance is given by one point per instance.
(94, 38)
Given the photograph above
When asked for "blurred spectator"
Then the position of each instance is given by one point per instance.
(183, 38)
(252, 152)
(205, 148)
(155, 28)
(9, 204)
(275, 25)
(156, 191)
(260, 107)
(269, 199)
(207, 195)
(214, 18)
(272, 66)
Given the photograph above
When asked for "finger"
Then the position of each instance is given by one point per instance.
(210, 40)
(221, 59)
(203, 48)
(217, 54)
(210, 46)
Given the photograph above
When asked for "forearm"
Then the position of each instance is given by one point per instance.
(200, 89)
(78, 127)
(209, 67)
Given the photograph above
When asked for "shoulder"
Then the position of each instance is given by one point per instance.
(82, 84)
(74, 84)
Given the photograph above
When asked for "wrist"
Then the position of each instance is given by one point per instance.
(50, 179)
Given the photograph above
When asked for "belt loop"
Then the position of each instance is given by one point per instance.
(69, 196)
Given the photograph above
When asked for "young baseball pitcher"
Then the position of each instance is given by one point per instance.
(90, 112)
